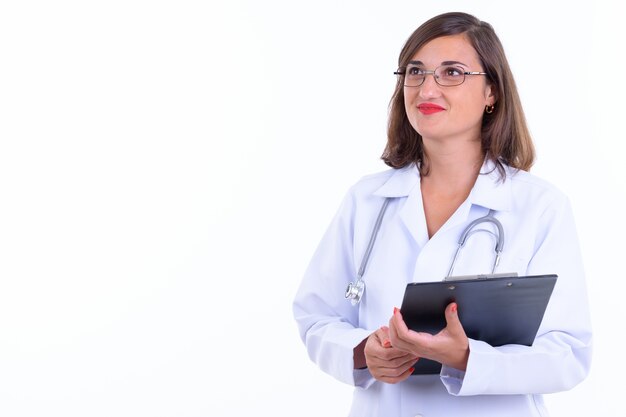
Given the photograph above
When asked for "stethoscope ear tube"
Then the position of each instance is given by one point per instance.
(469, 231)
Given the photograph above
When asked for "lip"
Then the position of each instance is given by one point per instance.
(429, 108)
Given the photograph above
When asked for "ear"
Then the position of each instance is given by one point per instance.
(490, 95)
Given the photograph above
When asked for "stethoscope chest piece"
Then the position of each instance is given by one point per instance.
(354, 291)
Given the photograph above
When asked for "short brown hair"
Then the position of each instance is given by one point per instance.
(505, 136)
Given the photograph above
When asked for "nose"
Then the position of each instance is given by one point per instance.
(429, 87)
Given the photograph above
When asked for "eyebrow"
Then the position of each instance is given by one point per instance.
(443, 63)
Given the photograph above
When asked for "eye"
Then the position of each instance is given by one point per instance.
(451, 72)
(414, 71)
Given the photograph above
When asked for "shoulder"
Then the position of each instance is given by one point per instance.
(370, 183)
(530, 189)
(392, 182)
(364, 198)
(525, 181)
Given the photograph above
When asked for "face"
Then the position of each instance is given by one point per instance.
(453, 112)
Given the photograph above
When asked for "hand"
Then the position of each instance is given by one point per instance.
(386, 363)
(450, 346)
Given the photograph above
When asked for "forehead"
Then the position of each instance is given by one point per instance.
(447, 48)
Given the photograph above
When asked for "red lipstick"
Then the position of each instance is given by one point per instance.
(429, 108)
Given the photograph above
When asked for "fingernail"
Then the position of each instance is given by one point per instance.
(411, 369)
(395, 310)
(387, 343)
(453, 309)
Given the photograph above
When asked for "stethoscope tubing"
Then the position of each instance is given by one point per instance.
(355, 289)
(370, 245)
(469, 231)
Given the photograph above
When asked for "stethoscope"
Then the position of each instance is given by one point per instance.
(355, 290)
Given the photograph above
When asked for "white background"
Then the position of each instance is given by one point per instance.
(167, 169)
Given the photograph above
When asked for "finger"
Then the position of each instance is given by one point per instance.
(381, 351)
(398, 330)
(410, 361)
(392, 378)
(454, 325)
(384, 336)
(398, 320)
(376, 352)
(418, 344)
(405, 361)
(388, 356)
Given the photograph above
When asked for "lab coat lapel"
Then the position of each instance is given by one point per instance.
(413, 217)
(406, 183)
(489, 191)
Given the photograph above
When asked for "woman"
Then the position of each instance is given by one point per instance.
(459, 147)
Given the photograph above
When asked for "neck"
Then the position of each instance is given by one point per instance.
(453, 166)
(452, 172)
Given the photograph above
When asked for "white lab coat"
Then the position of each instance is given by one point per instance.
(540, 238)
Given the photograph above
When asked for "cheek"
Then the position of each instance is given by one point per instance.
(407, 101)
(411, 110)
(471, 109)
(410, 98)
(474, 112)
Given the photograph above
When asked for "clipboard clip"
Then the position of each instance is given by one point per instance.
(481, 276)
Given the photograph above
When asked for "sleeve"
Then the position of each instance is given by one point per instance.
(560, 356)
(327, 322)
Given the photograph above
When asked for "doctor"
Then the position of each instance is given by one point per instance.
(458, 146)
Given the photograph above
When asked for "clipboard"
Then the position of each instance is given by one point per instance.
(499, 311)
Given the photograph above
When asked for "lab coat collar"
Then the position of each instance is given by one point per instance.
(401, 183)
(488, 191)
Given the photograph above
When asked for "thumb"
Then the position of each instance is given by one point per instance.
(452, 319)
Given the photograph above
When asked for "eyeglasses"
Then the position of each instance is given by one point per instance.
(445, 75)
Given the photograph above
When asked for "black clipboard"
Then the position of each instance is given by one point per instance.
(499, 311)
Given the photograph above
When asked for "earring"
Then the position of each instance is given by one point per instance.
(489, 109)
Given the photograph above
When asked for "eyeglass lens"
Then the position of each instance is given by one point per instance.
(446, 75)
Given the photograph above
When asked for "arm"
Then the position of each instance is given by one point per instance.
(330, 325)
(327, 322)
(560, 356)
